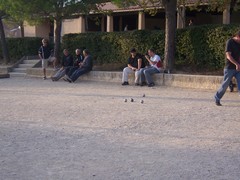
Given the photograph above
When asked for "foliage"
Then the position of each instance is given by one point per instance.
(19, 47)
(114, 47)
(197, 47)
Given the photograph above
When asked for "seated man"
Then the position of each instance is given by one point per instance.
(155, 67)
(67, 61)
(135, 64)
(84, 67)
(79, 59)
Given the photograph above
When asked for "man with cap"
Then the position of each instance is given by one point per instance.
(135, 64)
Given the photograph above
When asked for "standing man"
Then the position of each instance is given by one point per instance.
(44, 53)
(135, 64)
(155, 66)
(232, 66)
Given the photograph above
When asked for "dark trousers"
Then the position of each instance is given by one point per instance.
(71, 70)
(77, 73)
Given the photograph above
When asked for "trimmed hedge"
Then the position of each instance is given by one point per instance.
(19, 47)
(197, 47)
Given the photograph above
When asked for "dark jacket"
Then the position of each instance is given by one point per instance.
(87, 63)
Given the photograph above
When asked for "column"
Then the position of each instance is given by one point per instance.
(109, 23)
(102, 24)
(181, 17)
(82, 28)
(120, 23)
(226, 15)
(141, 20)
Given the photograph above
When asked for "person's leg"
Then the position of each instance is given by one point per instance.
(71, 71)
(148, 72)
(126, 71)
(60, 74)
(44, 66)
(77, 74)
(138, 76)
(231, 86)
(237, 76)
(228, 74)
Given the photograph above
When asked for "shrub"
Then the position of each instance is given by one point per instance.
(19, 47)
(197, 47)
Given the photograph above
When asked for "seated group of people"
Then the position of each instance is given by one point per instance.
(71, 69)
(142, 72)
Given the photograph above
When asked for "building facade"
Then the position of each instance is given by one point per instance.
(133, 18)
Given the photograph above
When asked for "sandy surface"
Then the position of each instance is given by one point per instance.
(57, 130)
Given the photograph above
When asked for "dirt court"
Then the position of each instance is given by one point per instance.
(86, 130)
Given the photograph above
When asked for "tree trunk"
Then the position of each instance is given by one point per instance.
(22, 29)
(57, 43)
(170, 32)
(4, 43)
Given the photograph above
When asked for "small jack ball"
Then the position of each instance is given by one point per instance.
(142, 101)
(132, 100)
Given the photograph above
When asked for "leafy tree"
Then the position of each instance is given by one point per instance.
(36, 11)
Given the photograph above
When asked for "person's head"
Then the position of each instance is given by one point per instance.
(133, 52)
(86, 52)
(65, 52)
(44, 42)
(237, 36)
(78, 51)
(151, 52)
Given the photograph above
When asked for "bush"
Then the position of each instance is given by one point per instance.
(197, 47)
(203, 47)
(19, 47)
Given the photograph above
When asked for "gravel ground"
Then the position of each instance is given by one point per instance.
(56, 130)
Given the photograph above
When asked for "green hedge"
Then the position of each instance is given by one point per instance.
(19, 47)
(197, 47)
(202, 47)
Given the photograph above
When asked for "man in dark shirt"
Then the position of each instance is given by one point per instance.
(135, 64)
(67, 61)
(76, 64)
(232, 67)
(84, 67)
(44, 52)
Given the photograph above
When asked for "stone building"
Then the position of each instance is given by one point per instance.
(135, 18)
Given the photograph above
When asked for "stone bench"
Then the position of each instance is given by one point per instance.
(174, 80)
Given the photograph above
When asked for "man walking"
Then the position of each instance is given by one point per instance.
(232, 66)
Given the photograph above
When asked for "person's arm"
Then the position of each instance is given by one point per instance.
(150, 62)
(40, 52)
(131, 67)
(139, 63)
(87, 63)
(232, 60)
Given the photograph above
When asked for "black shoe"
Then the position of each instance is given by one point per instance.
(218, 103)
(125, 83)
(151, 85)
(143, 84)
(53, 79)
(137, 84)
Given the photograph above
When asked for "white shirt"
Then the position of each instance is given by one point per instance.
(155, 58)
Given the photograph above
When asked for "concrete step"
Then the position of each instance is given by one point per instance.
(17, 74)
(20, 70)
(32, 61)
(25, 66)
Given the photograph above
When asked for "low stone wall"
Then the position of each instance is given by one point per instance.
(175, 80)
